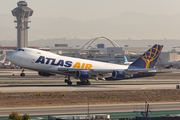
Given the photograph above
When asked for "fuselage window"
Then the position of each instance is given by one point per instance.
(38, 53)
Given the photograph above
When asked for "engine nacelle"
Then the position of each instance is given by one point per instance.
(118, 74)
(45, 74)
(82, 74)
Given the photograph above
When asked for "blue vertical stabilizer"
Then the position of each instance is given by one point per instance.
(148, 59)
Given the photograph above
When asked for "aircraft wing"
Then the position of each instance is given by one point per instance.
(141, 70)
(159, 71)
(96, 73)
(94, 70)
(104, 72)
(107, 70)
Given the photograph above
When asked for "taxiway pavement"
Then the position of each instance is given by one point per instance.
(80, 109)
(94, 87)
(55, 84)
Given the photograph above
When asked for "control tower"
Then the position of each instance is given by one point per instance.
(22, 14)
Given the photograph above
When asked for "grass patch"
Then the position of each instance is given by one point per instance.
(63, 94)
(38, 94)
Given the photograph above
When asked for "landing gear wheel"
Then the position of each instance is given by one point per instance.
(66, 80)
(69, 83)
(79, 83)
(86, 82)
(22, 74)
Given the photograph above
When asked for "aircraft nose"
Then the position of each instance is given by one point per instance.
(8, 57)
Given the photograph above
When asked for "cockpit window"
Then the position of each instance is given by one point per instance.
(20, 49)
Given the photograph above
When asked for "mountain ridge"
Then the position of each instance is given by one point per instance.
(126, 25)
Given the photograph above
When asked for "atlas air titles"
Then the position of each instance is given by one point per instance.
(63, 63)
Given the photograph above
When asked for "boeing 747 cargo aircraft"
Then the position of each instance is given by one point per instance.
(48, 64)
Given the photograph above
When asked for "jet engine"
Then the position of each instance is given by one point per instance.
(45, 74)
(118, 74)
(82, 74)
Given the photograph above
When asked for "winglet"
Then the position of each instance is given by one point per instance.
(148, 59)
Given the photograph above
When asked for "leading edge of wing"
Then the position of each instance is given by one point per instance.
(154, 71)
(94, 70)
(159, 71)
(141, 70)
(106, 70)
(130, 71)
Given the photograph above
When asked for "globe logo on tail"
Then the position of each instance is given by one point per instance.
(151, 55)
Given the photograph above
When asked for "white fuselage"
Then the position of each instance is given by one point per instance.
(49, 62)
(127, 63)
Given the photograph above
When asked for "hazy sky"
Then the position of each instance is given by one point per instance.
(93, 9)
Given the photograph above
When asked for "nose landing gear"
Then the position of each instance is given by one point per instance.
(22, 74)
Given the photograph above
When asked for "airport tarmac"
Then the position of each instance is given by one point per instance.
(54, 84)
(81, 109)
(94, 87)
(167, 81)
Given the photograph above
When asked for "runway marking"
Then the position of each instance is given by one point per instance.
(143, 88)
(71, 89)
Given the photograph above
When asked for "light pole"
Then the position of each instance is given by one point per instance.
(88, 108)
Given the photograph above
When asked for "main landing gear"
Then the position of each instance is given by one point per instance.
(68, 81)
(22, 74)
(85, 82)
